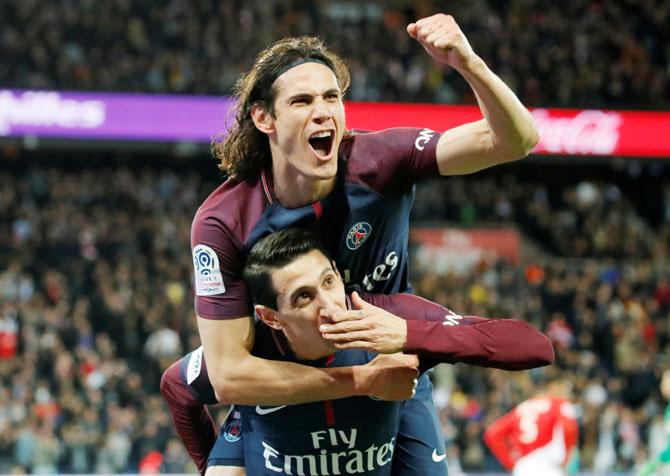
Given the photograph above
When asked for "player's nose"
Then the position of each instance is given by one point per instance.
(321, 112)
(327, 304)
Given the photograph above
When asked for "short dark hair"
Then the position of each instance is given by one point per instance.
(246, 150)
(273, 252)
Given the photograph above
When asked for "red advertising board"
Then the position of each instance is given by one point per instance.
(459, 250)
(562, 131)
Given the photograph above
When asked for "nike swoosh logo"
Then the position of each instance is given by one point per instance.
(438, 458)
(265, 411)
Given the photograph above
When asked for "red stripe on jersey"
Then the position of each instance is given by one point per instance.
(330, 412)
(327, 404)
(318, 210)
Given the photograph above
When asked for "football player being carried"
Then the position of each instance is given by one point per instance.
(305, 316)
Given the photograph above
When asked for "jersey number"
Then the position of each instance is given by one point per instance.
(528, 413)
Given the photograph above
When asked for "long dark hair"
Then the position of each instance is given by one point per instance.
(246, 150)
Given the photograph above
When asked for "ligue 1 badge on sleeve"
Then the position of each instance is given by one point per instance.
(208, 278)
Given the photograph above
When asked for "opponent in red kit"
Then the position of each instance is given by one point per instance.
(539, 436)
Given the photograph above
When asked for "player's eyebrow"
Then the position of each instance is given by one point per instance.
(310, 95)
(332, 91)
(296, 96)
(297, 292)
(294, 294)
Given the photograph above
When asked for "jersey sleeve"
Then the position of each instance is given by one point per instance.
(506, 344)
(437, 333)
(218, 261)
(190, 417)
(408, 306)
(393, 160)
(498, 438)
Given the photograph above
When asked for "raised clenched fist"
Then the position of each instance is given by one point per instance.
(443, 39)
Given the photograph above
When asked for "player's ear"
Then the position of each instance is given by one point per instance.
(268, 316)
(262, 118)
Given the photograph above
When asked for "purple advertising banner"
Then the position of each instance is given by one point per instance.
(113, 116)
(174, 118)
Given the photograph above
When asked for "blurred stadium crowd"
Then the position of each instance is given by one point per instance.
(94, 293)
(579, 53)
(95, 280)
(601, 294)
(95, 270)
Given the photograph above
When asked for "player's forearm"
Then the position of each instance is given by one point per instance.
(241, 378)
(513, 133)
(506, 344)
(256, 381)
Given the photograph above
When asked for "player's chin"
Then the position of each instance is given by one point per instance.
(325, 170)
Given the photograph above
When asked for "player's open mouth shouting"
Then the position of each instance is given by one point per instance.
(321, 143)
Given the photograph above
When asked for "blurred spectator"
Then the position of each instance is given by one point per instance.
(26, 443)
(175, 460)
(47, 452)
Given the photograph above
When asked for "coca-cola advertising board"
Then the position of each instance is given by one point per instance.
(562, 131)
(174, 118)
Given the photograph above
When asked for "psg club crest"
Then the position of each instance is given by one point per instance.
(358, 234)
(233, 431)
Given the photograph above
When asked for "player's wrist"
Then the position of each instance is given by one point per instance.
(472, 65)
(403, 336)
(362, 378)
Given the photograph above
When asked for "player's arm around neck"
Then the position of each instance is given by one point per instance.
(507, 131)
(241, 378)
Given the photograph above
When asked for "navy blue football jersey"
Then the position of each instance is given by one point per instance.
(363, 222)
(354, 435)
